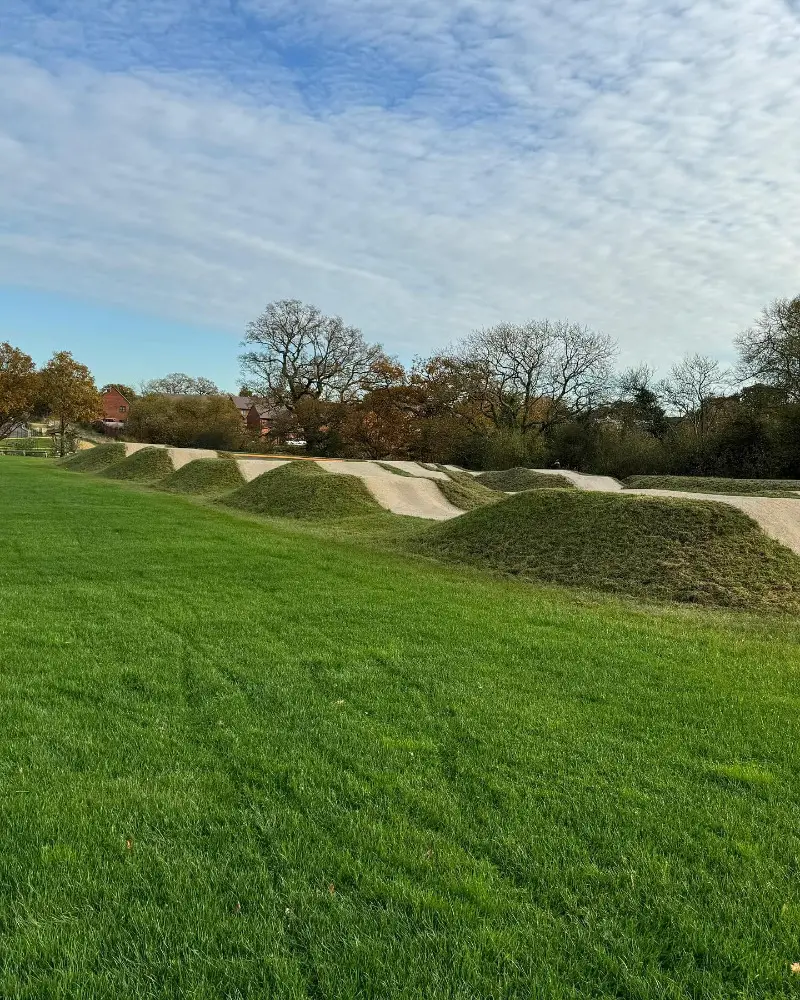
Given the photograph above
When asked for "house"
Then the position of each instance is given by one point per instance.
(116, 407)
(261, 418)
(243, 404)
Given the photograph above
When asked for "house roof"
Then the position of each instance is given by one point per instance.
(243, 402)
(113, 388)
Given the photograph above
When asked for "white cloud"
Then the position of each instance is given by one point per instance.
(632, 168)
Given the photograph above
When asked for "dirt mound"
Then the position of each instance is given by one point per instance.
(94, 459)
(652, 547)
(204, 477)
(145, 466)
(520, 479)
(303, 490)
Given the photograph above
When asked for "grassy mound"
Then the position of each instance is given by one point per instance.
(704, 484)
(395, 470)
(659, 548)
(520, 479)
(204, 477)
(145, 466)
(95, 459)
(303, 490)
(462, 490)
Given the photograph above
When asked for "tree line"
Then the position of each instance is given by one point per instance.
(538, 393)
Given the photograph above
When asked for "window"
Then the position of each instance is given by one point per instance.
(122, 409)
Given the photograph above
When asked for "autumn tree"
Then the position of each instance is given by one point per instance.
(18, 387)
(180, 384)
(296, 353)
(69, 393)
(769, 351)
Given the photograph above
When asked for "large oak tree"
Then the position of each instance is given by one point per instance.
(68, 390)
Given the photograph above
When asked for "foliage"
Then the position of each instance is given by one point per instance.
(124, 390)
(204, 476)
(68, 390)
(257, 761)
(186, 422)
(652, 547)
(303, 490)
(519, 479)
(19, 388)
(180, 384)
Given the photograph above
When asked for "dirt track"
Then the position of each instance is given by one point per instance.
(417, 495)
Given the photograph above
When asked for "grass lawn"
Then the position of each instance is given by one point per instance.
(247, 759)
(706, 484)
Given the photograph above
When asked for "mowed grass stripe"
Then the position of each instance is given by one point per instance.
(344, 773)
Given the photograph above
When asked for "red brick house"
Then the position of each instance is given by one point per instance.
(116, 407)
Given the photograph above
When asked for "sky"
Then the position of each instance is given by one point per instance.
(419, 168)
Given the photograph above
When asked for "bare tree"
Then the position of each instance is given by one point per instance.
(692, 383)
(769, 351)
(298, 353)
(530, 376)
(180, 384)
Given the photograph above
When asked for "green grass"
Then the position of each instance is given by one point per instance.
(204, 477)
(657, 548)
(303, 490)
(245, 759)
(519, 479)
(462, 490)
(148, 465)
(701, 484)
(94, 459)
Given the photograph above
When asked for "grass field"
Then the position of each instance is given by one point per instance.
(246, 760)
(700, 484)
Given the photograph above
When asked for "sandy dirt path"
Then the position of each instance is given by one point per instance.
(415, 469)
(182, 456)
(364, 470)
(413, 497)
(595, 484)
(252, 468)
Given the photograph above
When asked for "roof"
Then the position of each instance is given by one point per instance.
(243, 402)
(267, 412)
(113, 388)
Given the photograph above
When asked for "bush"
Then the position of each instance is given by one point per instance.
(186, 422)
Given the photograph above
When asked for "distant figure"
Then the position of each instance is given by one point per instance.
(556, 464)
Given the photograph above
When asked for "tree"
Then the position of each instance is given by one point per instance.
(18, 387)
(530, 377)
(180, 384)
(640, 403)
(298, 353)
(186, 421)
(769, 351)
(692, 383)
(124, 390)
(68, 390)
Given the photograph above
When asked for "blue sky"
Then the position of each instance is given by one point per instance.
(420, 168)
